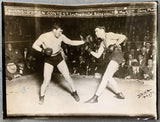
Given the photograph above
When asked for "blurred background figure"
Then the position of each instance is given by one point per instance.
(134, 72)
(148, 70)
(141, 61)
(9, 53)
(18, 58)
(25, 53)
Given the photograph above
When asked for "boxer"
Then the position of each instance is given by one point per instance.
(50, 44)
(112, 42)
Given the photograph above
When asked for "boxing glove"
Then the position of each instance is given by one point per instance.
(47, 51)
(111, 48)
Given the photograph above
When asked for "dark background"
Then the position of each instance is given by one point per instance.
(21, 32)
(27, 29)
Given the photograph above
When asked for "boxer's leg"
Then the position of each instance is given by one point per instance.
(112, 84)
(111, 69)
(47, 73)
(108, 76)
(62, 67)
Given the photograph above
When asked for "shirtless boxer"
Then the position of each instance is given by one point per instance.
(51, 41)
(112, 41)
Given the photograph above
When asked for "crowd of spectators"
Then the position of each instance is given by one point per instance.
(139, 60)
(18, 62)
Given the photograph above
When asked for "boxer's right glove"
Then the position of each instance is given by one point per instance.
(112, 47)
(89, 50)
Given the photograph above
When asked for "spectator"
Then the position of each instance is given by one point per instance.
(130, 60)
(141, 61)
(135, 72)
(17, 56)
(133, 53)
(153, 55)
(123, 70)
(82, 66)
(148, 47)
(92, 66)
(148, 50)
(143, 52)
(25, 54)
(148, 70)
(9, 53)
(11, 71)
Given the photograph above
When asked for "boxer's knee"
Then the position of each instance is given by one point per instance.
(45, 82)
(105, 77)
(67, 77)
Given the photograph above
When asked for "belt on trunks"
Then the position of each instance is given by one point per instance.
(56, 53)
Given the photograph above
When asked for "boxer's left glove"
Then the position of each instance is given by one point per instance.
(47, 51)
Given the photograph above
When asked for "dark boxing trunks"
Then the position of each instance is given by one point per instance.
(117, 56)
(54, 60)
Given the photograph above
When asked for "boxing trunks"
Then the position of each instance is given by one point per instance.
(54, 59)
(117, 56)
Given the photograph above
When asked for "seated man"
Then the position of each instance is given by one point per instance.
(148, 70)
(11, 71)
(17, 56)
(130, 60)
(141, 61)
(13, 58)
(134, 72)
(9, 52)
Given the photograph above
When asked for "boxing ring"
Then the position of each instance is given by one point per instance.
(25, 23)
(24, 93)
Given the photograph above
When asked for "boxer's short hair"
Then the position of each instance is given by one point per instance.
(101, 27)
(56, 26)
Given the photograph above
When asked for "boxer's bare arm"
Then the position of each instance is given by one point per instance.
(99, 53)
(36, 45)
(72, 42)
(120, 38)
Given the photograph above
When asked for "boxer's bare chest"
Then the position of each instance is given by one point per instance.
(52, 42)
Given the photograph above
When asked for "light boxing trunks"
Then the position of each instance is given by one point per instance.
(54, 59)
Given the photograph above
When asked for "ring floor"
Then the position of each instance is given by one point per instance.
(22, 96)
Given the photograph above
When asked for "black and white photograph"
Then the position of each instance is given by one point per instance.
(96, 60)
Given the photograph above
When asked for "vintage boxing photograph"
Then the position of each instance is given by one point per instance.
(96, 60)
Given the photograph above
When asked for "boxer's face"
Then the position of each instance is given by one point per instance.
(99, 32)
(57, 32)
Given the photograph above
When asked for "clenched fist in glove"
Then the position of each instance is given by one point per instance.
(112, 47)
(47, 51)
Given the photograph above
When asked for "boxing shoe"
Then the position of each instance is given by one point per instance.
(120, 95)
(41, 100)
(75, 96)
(94, 99)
